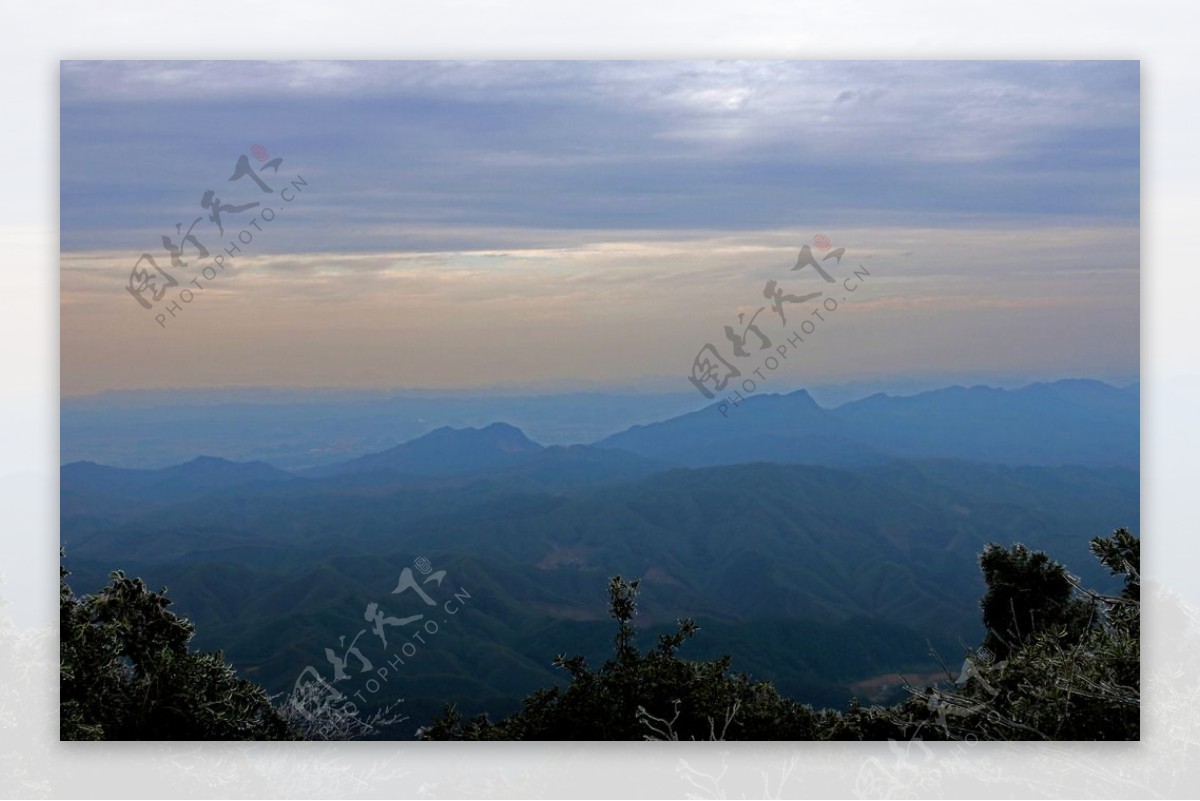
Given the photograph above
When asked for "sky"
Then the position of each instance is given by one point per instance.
(556, 224)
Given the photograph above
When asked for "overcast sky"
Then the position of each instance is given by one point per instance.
(548, 223)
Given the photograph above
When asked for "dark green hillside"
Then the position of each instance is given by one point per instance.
(820, 577)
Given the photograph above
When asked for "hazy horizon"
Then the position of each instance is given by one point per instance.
(296, 428)
(643, 386)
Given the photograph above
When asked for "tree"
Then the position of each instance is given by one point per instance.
(1069, 664)
(126, 673)
(1027, 593)
(1058, 662)
(642, 695)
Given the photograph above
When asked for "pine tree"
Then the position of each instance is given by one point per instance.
(126, 673)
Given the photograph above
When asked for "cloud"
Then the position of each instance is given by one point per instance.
(627, 307)
(619, 213)
(392, 147)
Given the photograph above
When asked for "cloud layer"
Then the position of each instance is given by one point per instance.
(594, 219)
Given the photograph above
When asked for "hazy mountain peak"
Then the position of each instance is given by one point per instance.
(446, 451)
(1075, 421)
(801, 396)
(502, 435)
(214, 471)
(211, 461)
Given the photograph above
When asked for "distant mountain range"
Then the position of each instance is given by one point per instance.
(820, 546)
(296, 429)
(444, 452)
(200, 475)
(1066, 422)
